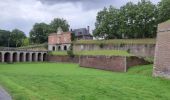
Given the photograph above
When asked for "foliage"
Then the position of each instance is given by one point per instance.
(130, 21)
(70, 51)
(26, 42)
(117, 41)
(51, 81)
(164, 10)
(57, 22)
(12, 39)
(39, 33)
(17, 38)
(4, 38)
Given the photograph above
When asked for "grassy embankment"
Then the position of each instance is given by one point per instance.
(51, 81)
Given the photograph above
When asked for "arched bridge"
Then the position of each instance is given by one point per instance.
(22, 55)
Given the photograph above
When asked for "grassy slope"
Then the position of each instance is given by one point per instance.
(96, 52)
(50, 81)
(117, 41)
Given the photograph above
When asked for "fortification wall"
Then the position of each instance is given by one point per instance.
(110, 63)
(162, 51)
(144, 50)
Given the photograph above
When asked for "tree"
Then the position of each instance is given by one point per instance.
(57, 22)
(4, 38)
(39, 33)
(146, 19)
(26, 42)
(17, 38)
(164, 10)
(130, 21)
(107, 22)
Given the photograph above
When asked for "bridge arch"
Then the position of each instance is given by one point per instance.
(7, 57)
(15, 57)
(0, 56)
(39, 56)
(27, 57)
(21, 57)
(33, 57)
(45, 57)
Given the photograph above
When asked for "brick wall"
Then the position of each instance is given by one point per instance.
(110, 63)
(63, 59)
(63, 38)
(144, 50)
(162, 51)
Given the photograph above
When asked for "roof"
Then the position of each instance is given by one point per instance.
(81, 31)
(59, 34)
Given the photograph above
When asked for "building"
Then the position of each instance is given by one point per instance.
(162, 51)
(59, 41)
(82, 33)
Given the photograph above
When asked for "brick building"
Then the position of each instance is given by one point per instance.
(162, 51)
(59, 41)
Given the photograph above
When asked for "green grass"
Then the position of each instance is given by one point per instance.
(117, 41)
(51, 81)
(96, 52)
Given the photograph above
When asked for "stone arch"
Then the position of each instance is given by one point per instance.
(27, 57)
(21, 57)
(65, 47)
(15, 57)
(53, 48)
(0, 57)
(7, 57)
(45, 57)
(59, 48)
(33, 57)
(39, 56)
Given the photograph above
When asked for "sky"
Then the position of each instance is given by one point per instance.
(23, 14)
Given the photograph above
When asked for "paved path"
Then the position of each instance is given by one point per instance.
(4, 95)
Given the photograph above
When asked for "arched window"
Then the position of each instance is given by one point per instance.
(65, 47)
(33, 57)
(59, 48)
(53, 48)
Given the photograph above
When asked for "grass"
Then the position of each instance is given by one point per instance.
(117, 41)
(51, 81)
(96, 52)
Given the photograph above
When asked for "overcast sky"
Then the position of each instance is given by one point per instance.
(22, 14)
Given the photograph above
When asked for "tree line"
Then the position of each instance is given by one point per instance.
(131, 20)
(38, 34)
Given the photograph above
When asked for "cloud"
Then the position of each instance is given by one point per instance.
(23, 14)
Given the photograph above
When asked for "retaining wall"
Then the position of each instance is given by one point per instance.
(111, 63)
(52, 58)
(144, 50)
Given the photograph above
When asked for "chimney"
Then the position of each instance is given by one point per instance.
(88, 29)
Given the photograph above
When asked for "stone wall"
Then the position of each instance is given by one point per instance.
(52, 58)
(111, 63)
(162, 51)
(144, 50)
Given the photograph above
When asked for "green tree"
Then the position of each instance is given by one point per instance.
(26, 42)
(39, 33)
(4, 38)
(164, 10)
(57, 22)
(17, 38)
